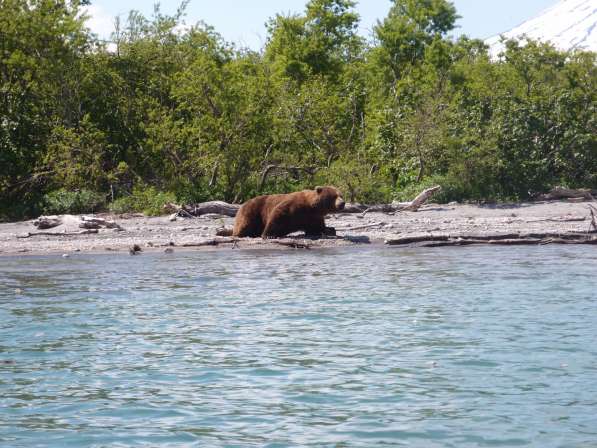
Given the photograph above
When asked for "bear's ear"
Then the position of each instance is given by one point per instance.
(318, 190)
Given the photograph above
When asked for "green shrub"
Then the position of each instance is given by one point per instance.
(60, 202)
(358, 182)
(147, 200)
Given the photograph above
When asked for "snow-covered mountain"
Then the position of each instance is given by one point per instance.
(568, 24)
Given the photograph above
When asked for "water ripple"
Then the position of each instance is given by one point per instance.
(471, 347)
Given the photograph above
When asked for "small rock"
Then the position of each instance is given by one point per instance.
(65, 255)
(18, 291)
(169, 250)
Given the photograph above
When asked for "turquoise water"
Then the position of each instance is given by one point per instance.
(463, 347)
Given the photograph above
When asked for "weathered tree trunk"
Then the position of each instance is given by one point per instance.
(497, 239)
(566, 193)
(413, 205)
(47, 222)
(83, 222)
(204, 208)
(82, 232)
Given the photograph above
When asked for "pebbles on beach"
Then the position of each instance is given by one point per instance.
(157, 234)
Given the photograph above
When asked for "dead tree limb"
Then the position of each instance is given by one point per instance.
(413, 205)
(562, 219)
(417, 202)
(593, 224)
(82, 232)
(416, 239)
(497, 239)
(83, 222)
(354, 208)
(566, 193)
(47, 222)
(292, 244)
(366, 226)
(210, 242)
(204, 208)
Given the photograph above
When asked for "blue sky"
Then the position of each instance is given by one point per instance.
(242, 21)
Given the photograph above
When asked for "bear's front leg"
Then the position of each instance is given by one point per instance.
(329, 231)
(318, 229)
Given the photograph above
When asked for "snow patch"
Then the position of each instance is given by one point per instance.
(569, 24)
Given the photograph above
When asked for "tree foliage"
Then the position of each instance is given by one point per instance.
(172, 111)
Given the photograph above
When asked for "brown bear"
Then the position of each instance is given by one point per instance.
(277, 215)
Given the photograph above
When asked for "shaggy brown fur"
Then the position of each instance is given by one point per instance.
(277, 215)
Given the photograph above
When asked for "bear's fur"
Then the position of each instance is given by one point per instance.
(277, 215)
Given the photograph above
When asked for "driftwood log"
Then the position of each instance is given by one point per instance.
(47, 222)
(292, 244)
(567, 193)
(210, 242)
(413, 205)
(495, 239)
(204, 208)
(82, 232)
(82, 222)
(593, 225)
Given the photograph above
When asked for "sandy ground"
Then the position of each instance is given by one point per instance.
(159, 234)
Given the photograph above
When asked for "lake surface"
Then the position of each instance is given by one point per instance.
(458, 347)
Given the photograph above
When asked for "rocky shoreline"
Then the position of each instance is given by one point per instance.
(560, 221)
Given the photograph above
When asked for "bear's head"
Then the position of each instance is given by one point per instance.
(329, 199)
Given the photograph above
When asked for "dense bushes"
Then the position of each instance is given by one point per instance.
(182, 115)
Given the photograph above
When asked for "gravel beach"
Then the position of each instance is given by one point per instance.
(161, 234)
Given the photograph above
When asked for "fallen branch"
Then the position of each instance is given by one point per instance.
(593, 223)
(417, 202)
(354, 208)
(499, 239)
(367, 226)
(83, 222)
(561, 219)
(463, 242)
(566, 193)
(413, 205)
(210, 242)
(97, 223)
(292, 244)
(82, 232)
(416, 239)
(204, 208)
(47, 222)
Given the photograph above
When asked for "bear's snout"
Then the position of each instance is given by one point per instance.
(340, 204)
